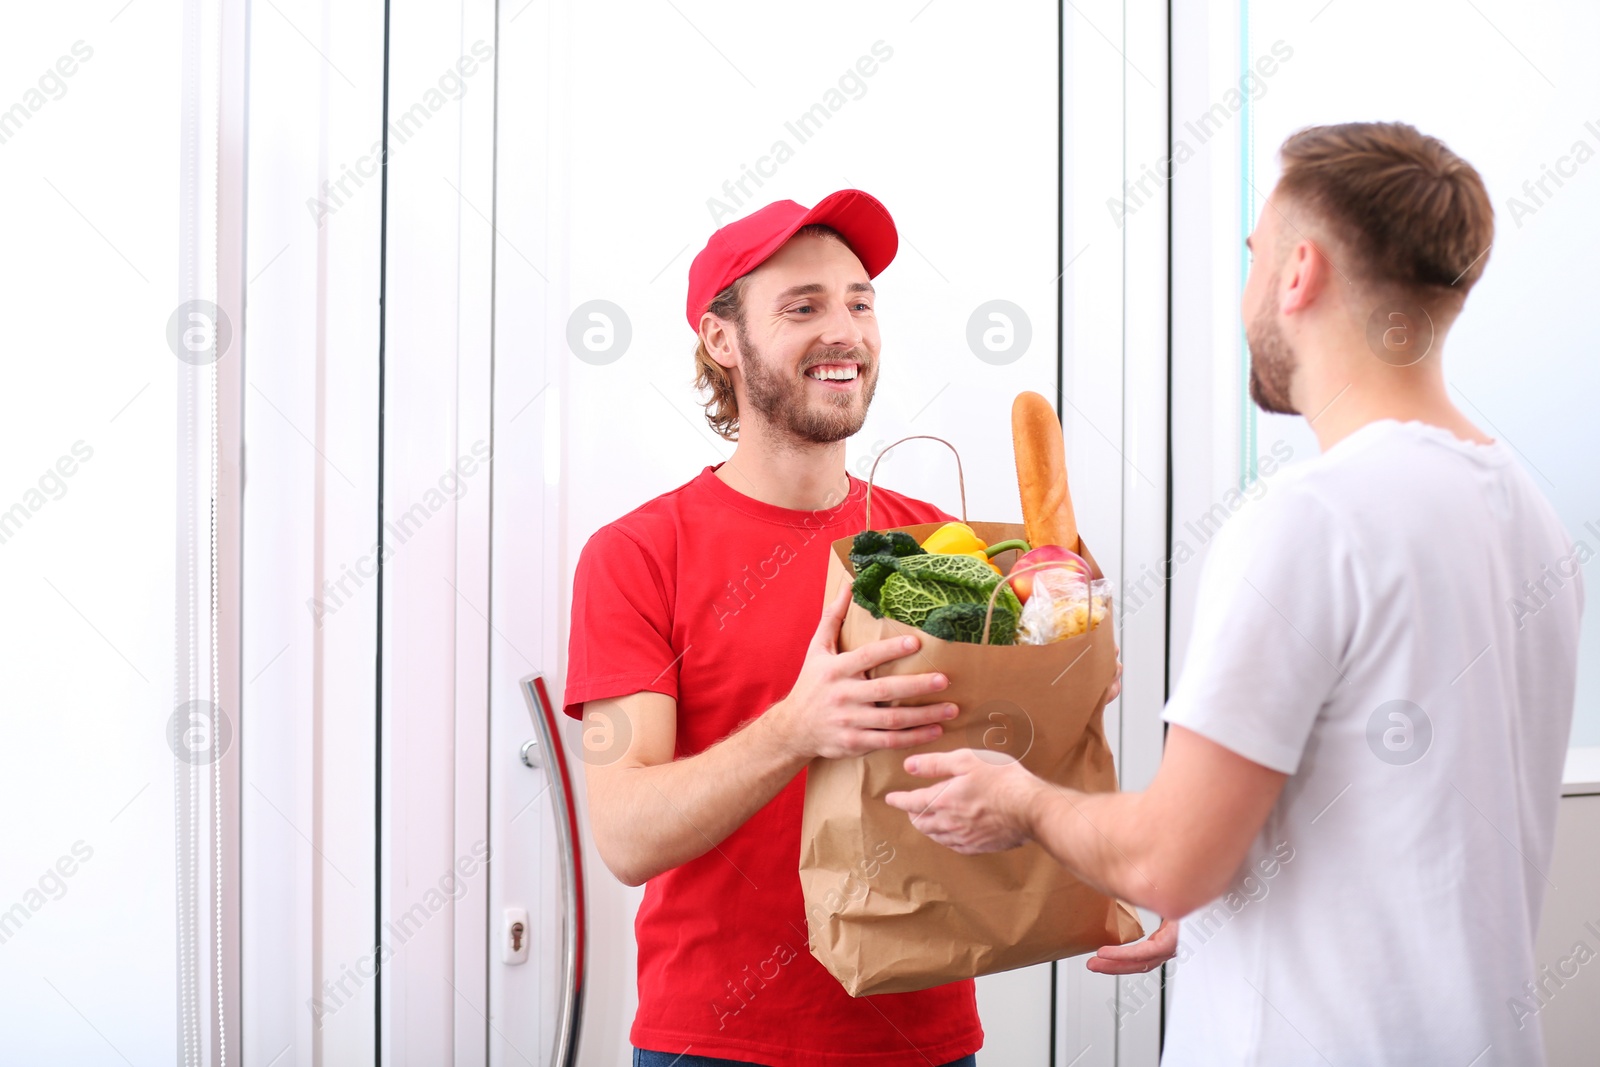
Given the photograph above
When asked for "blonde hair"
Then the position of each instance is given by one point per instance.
(722, 406)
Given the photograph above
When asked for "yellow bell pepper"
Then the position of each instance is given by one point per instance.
(954, 538)
(959, 539)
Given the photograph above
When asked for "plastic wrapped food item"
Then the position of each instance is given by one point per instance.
(1063, 605)
(1100, 593)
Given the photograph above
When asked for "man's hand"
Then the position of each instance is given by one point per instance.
(1140, 956)
(1114, 690)
(831, 711)
(984, 807)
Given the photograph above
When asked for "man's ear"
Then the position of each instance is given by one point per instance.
(1304, 278)
(718, 337)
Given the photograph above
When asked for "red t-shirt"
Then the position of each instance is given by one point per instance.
(711, 597)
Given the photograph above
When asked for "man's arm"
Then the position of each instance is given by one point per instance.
(650, 813)
(1171, 848)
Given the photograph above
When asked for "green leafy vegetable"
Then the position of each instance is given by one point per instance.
(868, 586)
(874, 542)
(895, 577)
(874, 554)
(964, 622)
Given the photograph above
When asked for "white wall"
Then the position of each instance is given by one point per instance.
(89, 169)
(1569, 938)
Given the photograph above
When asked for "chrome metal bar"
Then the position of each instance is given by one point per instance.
(574, 927)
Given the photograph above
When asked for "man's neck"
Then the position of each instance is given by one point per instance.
(806, 478)
(1342, 400)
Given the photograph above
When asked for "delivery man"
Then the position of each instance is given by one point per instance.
(699, 666)
(1356, 807)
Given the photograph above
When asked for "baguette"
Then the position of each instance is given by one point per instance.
(1042, 473)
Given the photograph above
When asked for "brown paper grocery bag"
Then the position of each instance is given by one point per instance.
(890, 911)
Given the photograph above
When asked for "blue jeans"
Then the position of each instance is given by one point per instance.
(646, 1058)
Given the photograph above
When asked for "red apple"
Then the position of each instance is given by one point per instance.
(1023, 585)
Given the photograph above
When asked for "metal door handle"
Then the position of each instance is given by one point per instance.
(574, 928)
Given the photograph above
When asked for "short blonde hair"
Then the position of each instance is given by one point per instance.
(1414, 215)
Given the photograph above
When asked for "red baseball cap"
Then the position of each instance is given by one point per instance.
(741, 246)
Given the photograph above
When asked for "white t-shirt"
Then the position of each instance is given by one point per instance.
(1365, 628)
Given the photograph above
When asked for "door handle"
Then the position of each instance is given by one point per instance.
(574, 924)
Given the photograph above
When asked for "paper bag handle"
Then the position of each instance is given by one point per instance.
(988, 616)
(960, 477)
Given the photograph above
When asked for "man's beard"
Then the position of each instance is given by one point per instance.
(782, 401)
(1271, 364)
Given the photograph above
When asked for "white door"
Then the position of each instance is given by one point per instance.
(622, 143)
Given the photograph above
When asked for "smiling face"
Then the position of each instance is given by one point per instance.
(809, 342)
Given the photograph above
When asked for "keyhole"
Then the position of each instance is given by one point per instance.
(516, 937)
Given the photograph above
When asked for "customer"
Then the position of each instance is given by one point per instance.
(1357, 802)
